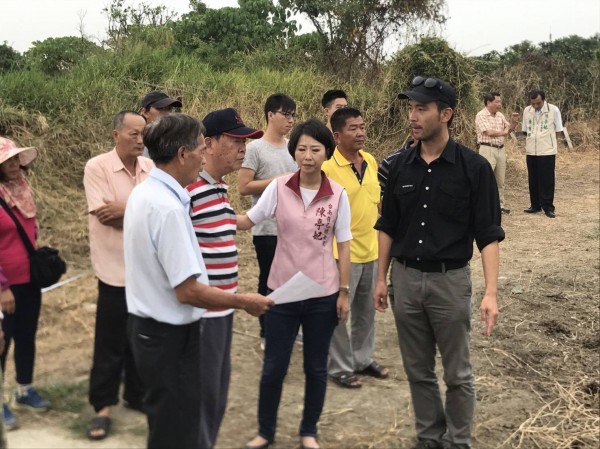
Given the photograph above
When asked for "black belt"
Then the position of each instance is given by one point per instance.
(489, 145)
(431, 266)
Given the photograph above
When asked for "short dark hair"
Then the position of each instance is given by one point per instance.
(533, 94)
(488, 98)
(441, 106)
(167, 134)
(119, 118)
(278, 102)
(341, 116)
(315, 129)
(331, 95)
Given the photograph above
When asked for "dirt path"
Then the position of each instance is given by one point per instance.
(546, 342)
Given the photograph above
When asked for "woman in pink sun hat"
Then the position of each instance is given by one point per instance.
(20, 299)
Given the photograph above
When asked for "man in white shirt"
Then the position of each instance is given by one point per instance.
(167, 283)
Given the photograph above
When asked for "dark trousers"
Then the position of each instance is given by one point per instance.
(168, 360)
(21, 326)
(215, 371)
(540, 171)
(318, 318)
(264, 245)
(113, 359)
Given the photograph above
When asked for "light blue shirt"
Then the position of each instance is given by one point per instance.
(161, 250)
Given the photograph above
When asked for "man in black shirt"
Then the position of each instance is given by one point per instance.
(440, 197)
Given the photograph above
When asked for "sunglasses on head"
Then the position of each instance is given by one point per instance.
(430, 83)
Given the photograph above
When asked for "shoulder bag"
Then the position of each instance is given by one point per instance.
(45, 265)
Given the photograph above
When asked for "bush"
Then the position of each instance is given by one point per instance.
(57, 55)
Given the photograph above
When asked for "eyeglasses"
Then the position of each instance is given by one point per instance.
(287, 115)
(429, 83)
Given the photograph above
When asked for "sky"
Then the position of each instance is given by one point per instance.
(474, 27)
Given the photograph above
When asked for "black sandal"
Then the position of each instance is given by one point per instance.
(346, 380)
(98, 423)
(374, 370)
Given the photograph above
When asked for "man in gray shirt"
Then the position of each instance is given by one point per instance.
(266, 159)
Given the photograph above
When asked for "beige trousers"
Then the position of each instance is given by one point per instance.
(497, 159)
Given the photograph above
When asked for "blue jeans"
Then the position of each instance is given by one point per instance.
(318, 317)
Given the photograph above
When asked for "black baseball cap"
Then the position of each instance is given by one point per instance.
(159, 99)
(426, 90)
(228, 121)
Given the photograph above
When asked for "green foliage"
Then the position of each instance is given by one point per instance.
(60, 54)
(353, 33)
(10, 59)
(567, 69)
(216, 34)
(131, 25)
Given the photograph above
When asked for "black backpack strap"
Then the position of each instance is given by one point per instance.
(22, 233)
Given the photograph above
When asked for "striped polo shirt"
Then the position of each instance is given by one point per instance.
(214, 223)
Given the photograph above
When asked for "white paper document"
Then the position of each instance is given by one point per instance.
(298, 288)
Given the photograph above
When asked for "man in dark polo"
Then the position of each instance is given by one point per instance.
(440, 197)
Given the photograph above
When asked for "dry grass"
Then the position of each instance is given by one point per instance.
(570, 420)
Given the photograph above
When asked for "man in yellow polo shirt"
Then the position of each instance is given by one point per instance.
(356, 170)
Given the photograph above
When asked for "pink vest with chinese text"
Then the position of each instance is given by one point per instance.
(305, 235)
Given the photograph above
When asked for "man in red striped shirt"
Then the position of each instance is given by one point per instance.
(214, 223)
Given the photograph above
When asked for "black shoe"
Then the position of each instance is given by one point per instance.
(428, 444)
(505, 210)
(532, 210)
(550, 213)
(260, 446)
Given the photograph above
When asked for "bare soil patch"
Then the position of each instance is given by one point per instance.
(537, 377)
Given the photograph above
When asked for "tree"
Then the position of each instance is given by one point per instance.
(137, 24)
(10, 59)
(60, 54)
(356, 33)
(224, 31)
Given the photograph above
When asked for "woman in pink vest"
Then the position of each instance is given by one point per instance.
(310, 210)
(21, 300)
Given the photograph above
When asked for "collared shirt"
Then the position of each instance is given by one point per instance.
(161, 250)
(364, 196)
(214, 223)
(106, 178)
(485, 121)
(558, 124)
(384, 167)
(434, 211)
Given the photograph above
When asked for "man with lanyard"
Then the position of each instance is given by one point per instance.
(440, 197)
(214, 222)
(542, 122)
(491, 127)
(167, 283)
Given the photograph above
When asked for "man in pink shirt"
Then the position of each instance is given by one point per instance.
(108, 180)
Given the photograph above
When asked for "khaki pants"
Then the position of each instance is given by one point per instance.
(497, 158)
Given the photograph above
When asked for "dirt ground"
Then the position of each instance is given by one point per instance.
(537, 376)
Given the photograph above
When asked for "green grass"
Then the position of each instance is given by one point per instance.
(70, 399)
